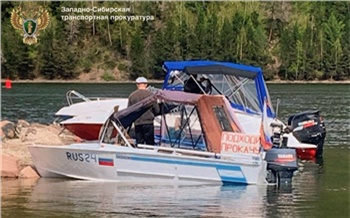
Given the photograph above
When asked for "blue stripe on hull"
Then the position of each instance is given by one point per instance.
(187, 162)
(217, 166)
(227, 179)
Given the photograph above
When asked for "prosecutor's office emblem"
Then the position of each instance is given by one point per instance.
(30, 22)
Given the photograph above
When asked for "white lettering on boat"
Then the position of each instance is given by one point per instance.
(285, 156)
(232, 142)
(122, 156)
(82, 157)
(307, 123)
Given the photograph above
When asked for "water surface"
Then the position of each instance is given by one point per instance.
(320, 188)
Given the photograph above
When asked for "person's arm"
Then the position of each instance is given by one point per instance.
(156, 109)
(130, 101)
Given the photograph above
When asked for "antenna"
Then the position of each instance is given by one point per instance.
(277, 104)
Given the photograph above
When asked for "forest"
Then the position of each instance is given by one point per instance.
(288, 40)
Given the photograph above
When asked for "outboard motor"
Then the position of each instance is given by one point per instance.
(281, 164)
(277, 134)
(308, 127)
(281, 161)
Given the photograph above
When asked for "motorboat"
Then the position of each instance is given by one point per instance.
(309, 127)
(201, 140)
(84, 116)
(245, 88)
(242, 85)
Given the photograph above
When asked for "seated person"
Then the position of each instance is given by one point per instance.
(193, 85)
(206, 84)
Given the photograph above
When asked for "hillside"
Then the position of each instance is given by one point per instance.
(112, 41)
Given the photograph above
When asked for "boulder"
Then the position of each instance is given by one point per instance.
(18, 149)
(22, 124)
(35, 134)
(9, 168)
(21, 128)
(16, 153)
(8, 130)
(28, 173)
(41, 134)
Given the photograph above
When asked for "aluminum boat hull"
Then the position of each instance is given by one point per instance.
(118, 163)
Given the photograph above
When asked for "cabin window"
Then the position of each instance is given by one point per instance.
(181, 129)
(110, 135)
(222, 118)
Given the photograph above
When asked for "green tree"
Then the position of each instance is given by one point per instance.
(256, 48)
(212, 38)
(18, 62)
(305, 40)
(198, 46)
(226, 41)
(137, 53)
(333, 34)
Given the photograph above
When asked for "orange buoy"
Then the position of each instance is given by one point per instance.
(8, 84)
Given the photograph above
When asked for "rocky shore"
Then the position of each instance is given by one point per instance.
(15, 137)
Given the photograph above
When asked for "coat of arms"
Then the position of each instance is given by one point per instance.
(30, 22)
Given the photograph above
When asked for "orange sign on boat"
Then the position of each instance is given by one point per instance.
(240, 143)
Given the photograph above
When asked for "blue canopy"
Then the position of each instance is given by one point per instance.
(180, 65)
(208, 67)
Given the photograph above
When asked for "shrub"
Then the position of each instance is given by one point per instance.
(108, 76)
(122, 67)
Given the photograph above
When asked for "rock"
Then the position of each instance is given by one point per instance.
(21, 128)
(41, 134)
(78, 139)
(18, 149)
(22, 124)
(55, 129)
(8, 130)
(16, 153)
(28, 173)
(9, 168)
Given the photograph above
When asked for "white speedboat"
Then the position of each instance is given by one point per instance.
(200, 140)
(85, 116)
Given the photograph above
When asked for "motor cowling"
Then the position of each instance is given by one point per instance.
(309, 127)
(281, 164)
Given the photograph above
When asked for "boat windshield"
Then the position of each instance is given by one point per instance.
(240, 91)
(114, 133)
(109, 133)
(181, 129)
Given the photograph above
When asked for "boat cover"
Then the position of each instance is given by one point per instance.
(127, 116)
(212, 111)
(217, 67)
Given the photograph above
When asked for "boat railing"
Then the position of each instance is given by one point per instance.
(73, 96)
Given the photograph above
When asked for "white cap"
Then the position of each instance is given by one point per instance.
(141, 80)
(175, 73)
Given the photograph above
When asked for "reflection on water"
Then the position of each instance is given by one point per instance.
(147, 200)
(66, 197)
(73, 198)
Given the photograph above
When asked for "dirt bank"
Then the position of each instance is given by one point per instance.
(15, 141)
